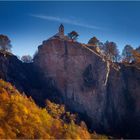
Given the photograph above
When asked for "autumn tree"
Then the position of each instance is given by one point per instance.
(55, 110)
(5, 43)
(21, 118)
(94, 41)
(59, 112)
(26, 59)
(73, 35)
(127, 53)
(136, 56)
(111, 51)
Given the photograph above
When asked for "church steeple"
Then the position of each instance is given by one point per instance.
(61, 31)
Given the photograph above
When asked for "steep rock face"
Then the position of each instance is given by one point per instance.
(26, 78)
(122, 102)
(91, 86)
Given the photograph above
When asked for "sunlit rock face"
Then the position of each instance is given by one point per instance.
(92, 86)
(78, 73)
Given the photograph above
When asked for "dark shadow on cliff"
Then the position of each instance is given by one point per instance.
(29, 79)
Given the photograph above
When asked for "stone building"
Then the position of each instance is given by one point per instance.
(61, 31)
(60, 34)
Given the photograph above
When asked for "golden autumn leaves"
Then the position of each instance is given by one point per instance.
(20, 117)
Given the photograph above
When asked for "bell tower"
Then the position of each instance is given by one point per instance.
(61, 31)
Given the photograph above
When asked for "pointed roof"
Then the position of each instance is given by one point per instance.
(61, 26)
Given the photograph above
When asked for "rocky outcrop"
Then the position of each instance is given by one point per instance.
(106, 93)
(26, 78)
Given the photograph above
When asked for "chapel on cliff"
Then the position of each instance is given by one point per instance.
(60, 34)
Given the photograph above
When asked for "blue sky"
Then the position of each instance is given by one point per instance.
(29, 23)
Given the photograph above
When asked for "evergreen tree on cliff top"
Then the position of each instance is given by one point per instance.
(73, 35)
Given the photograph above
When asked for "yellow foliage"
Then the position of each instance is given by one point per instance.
(21, 118)
(136, 56)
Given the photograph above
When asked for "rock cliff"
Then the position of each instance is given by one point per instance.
(108, 94)
(26, 78)
(105, 94)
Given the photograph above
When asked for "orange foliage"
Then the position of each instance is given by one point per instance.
(136, 56)
(20, 117)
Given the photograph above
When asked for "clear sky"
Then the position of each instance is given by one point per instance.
(29, 23)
